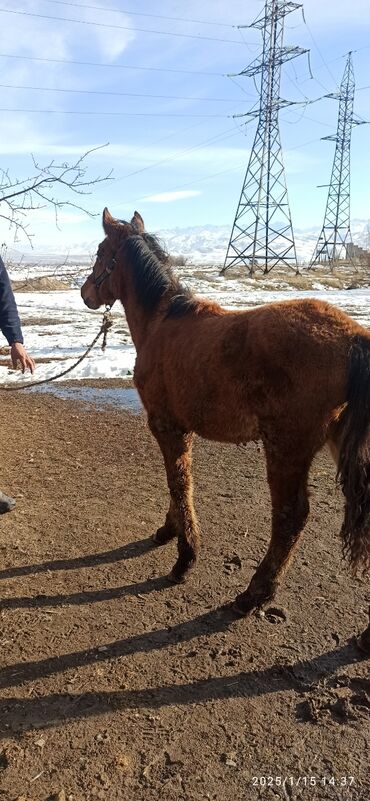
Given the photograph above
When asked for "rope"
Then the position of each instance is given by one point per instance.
(104, 328)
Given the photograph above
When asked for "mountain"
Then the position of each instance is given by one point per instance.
(207, 243)
(202, 244)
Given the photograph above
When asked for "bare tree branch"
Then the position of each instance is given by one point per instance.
(50, 185)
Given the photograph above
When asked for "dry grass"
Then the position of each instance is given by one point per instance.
(40, 284)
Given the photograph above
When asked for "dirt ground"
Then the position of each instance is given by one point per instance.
(117, 685)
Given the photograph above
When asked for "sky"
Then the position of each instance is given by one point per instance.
(150, 81)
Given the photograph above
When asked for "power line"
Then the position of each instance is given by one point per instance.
(332, 61)
(110, 66)
(119, 27)
(311, 119)
(358, 49)
(296, 86)
(141, 14)
(228, 134)
(232, 79)
(117, 94)
(219, 137)
(106, 113)
(221, 172)
(176, 133)
(135, 67)
(320, 54)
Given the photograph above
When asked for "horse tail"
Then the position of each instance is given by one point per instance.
(354, 456)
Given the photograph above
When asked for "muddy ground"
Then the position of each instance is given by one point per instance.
(117, 685)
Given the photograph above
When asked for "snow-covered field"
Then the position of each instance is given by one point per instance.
(58, 327)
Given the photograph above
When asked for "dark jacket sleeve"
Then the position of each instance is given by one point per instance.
(9, 319)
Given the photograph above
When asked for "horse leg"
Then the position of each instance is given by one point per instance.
(180, 520)
(289, 497)
(168, 531)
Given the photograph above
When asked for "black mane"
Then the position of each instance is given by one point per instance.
(153, 277)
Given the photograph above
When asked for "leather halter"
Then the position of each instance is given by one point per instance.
(108, 270)
(113, 263)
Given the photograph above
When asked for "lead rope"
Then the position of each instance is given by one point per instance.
(104, 328)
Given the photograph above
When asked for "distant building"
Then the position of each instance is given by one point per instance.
(356, 253)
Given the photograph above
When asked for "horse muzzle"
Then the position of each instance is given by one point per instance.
(90, 303)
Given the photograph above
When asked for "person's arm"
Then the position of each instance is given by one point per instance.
(10, 323)
(9, 318)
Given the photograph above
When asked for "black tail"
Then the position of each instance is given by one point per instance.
(354, 456)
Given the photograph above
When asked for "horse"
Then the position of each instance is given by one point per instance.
(293, 374)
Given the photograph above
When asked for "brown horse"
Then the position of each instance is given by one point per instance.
(294, 374)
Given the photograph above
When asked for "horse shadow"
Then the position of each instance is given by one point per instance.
(23, 714)
(131, 550)
(84, 597)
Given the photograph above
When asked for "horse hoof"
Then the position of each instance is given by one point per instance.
(162, 535)
(244, 605)
(239, 610)
(175, 579)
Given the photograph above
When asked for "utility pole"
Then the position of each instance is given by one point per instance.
(335, 242)
(262, 233)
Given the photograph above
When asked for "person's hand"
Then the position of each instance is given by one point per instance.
(18, 353)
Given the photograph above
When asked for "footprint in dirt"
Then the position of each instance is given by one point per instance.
(232, 563)
(341, 700)
(274, 615)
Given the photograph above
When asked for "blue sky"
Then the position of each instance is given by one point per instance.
(156, 84)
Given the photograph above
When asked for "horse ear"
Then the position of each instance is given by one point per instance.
(109, 223)
(138, 222)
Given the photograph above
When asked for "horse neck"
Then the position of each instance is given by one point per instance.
(140, 320)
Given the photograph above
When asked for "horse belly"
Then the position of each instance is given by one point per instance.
(192, 399)
(227, 425)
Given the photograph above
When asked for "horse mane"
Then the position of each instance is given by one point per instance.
(153, 277)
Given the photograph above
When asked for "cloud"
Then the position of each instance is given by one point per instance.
(37, 36)
(170, 197)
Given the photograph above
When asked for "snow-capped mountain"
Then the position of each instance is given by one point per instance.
(203, 244)
(207, 243)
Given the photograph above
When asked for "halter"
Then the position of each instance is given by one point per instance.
(108, 270)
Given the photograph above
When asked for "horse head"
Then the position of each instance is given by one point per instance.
(104, 284)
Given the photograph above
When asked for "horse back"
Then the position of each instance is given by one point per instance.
(222, 374)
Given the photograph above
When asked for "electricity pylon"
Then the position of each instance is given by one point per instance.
(262, 233)
(334, 242)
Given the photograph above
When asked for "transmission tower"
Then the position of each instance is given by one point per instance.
(334, 242)
(262, 233)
